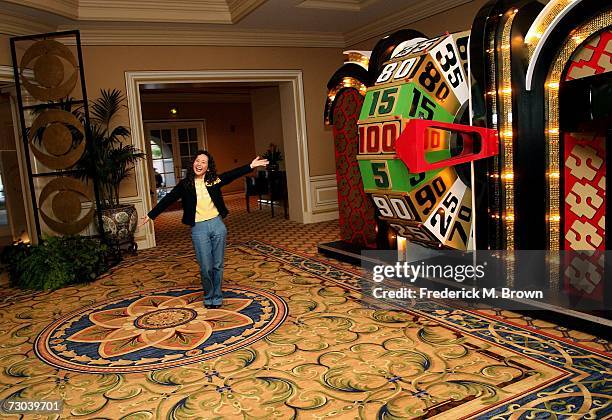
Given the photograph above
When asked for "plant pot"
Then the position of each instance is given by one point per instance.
(273, 166)
(120, 224)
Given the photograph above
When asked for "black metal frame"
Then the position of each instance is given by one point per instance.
(489, 22)
(528, 123)
(528, 116)
(22, 108)
(560, 34)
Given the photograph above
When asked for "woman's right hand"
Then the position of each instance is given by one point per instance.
(258, 162)
(144, 221)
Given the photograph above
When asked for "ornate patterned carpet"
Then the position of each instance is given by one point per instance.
(294, 339)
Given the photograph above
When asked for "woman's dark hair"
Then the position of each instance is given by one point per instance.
(211, 173)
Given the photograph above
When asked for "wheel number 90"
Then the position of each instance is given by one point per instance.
(392, 207)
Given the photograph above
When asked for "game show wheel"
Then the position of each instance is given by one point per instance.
(423, 79)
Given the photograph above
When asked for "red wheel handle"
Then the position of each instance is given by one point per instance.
(478, 143)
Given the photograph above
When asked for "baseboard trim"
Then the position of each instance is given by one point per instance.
(322, 217)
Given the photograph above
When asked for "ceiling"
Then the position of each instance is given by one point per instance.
(333, 23)
(320, 15)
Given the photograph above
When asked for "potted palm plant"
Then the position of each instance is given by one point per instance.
(110, 160)
(274, 156)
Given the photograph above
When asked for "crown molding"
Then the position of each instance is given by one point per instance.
(174, 11)
(13, 24)
(65, 8)
(182, 32)
(184, 35)
(401, 19)
(171, 11)
(184, 13)
(241, 8)
(343, 5)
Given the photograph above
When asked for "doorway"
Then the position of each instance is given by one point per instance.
(171, 147)
(13, 217)
(290, 87)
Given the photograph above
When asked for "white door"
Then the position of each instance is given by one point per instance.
(171, 149)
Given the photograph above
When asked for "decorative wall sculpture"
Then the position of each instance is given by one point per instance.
(344, 99)
(45, 59)
(585, 157)
(359, 225)
(48, 73)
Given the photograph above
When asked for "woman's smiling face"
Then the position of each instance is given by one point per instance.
(200, 165)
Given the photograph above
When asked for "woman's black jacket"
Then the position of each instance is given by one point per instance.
(187, 193)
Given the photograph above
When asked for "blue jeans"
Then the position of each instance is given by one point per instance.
(208, 239)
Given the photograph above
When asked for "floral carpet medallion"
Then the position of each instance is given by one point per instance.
(157, 330)
(297, 338)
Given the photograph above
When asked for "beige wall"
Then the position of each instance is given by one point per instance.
(229, 131)
(267, 124)
(7, 135)
(105, 67)
(5, 50)
(454, 20)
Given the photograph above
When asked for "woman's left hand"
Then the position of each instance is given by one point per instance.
(259, 162)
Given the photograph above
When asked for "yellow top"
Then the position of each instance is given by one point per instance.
(205, 208)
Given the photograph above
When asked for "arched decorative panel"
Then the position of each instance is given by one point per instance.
(359, 225)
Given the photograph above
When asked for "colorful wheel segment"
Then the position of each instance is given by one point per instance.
(424, 79)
